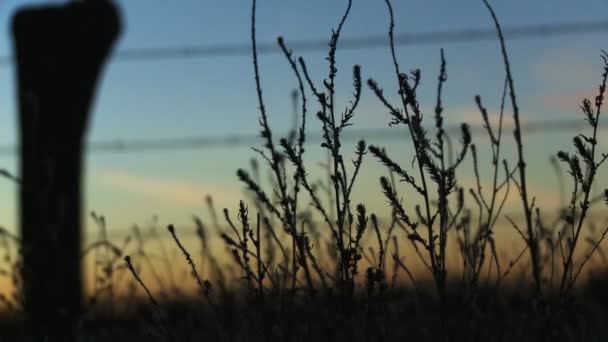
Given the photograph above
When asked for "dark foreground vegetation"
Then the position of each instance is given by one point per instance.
(398, 315)
(309, 264)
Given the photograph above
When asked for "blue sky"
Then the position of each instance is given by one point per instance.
(216, 96)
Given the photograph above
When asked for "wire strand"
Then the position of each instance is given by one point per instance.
(355, 43)
(248, 140)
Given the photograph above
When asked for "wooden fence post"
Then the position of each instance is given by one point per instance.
(60, 52)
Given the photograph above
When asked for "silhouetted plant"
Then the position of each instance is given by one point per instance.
(531, 237)
(582, 181)
(283, 240)
(432, 162)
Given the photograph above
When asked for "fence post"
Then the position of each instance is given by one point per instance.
(60, 52)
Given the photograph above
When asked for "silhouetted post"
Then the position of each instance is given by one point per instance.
(60, 52)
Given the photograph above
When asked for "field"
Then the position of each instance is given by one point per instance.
(299, 260)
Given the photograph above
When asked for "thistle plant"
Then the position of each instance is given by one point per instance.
(531, 237)
(347, 241)
(348, 227)
(474, 243)
(432, 162)
(583, 167)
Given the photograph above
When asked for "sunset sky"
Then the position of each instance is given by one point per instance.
(164, 99)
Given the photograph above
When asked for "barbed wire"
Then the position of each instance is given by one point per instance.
(355, 43)
(227, 50)
(248, 140)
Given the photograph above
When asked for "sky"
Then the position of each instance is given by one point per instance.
(212, 97)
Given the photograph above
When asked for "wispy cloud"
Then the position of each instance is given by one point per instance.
(547, 199)
(565, 68)
(170, 190)
(472, 116)
(568, 101)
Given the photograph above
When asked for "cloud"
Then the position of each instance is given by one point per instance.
(565, 68)
(472, 116)
(165, 189)
(562, 78)
(568, 101)
(545, 198)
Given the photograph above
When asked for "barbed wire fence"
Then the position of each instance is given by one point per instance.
(535, 31)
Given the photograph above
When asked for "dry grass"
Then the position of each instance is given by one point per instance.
(312, 265)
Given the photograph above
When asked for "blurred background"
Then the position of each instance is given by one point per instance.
(176, 112)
